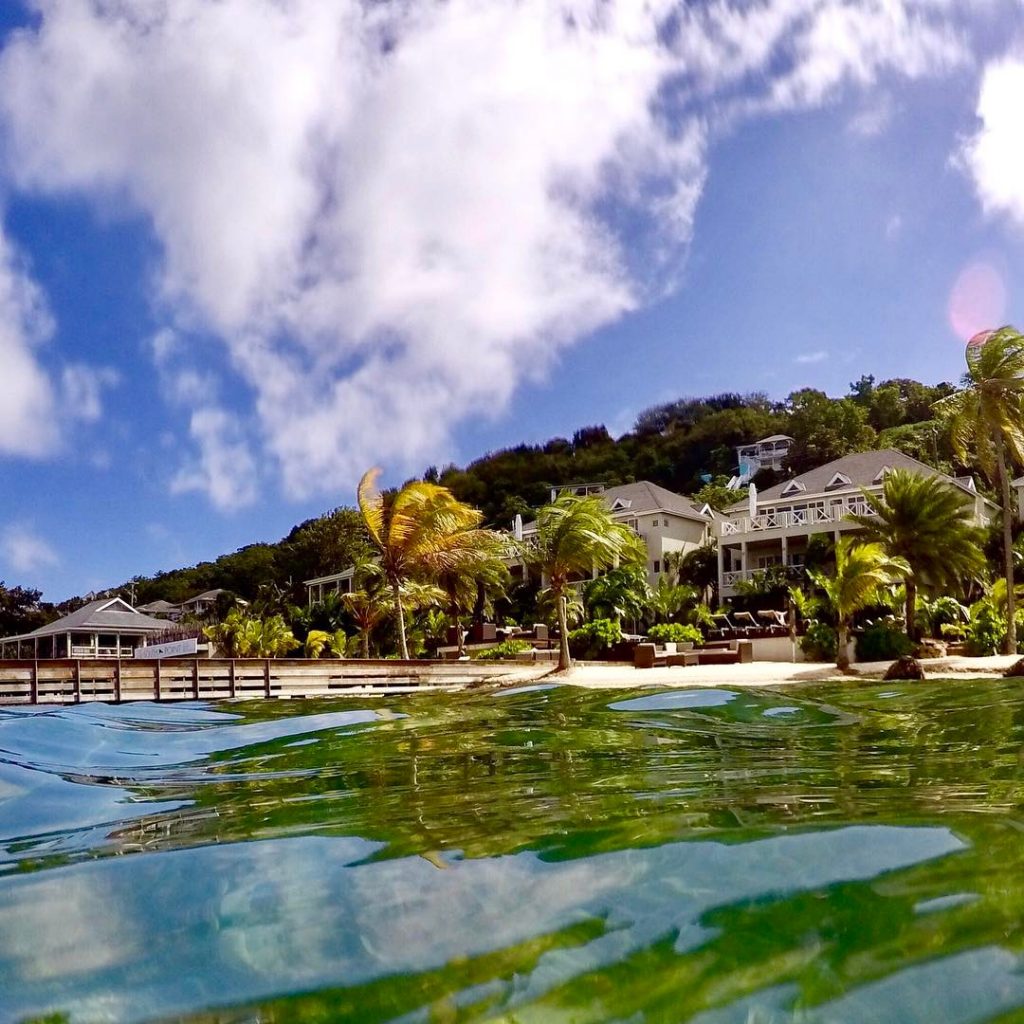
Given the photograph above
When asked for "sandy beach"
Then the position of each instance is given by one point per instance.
(764, 673)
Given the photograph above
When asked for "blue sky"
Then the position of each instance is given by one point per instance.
(248, 249)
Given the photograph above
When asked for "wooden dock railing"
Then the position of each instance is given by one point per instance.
(73, 681)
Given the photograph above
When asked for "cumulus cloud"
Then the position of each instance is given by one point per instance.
(995, 154)
(24, 550)
(223, 466)
(38, 400)
(393, 214)
(28, 420)
(82, 390)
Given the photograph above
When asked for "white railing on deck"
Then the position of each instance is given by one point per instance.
(774, 520)
(730, 579)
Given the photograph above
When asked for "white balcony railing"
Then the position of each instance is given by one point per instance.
(88, 651)
(789, 572)
(814, 516)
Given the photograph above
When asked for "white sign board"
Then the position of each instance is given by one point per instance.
(176, 649)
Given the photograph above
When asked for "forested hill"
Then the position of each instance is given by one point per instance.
(677, 445)
(681, 443)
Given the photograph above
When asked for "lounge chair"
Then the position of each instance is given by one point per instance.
(745, 622)
(723, 625)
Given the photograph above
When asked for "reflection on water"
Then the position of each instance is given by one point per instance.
(548, 854)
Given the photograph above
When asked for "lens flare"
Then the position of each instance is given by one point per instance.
(977, 302)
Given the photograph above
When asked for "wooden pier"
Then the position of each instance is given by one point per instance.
(76, 681)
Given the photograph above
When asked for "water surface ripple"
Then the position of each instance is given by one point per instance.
(548, 854)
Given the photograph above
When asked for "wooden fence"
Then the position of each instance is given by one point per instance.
(73, 681)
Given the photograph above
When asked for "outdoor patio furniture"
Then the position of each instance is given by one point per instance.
(745, 622)
(683, 658)
(774, 621)
(723, 625)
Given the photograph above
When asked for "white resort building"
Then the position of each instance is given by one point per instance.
(773, 528)
(667, 522)
(768, 453)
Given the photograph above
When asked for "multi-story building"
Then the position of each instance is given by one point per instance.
(668, 522)
(768, 453)
(772, 528)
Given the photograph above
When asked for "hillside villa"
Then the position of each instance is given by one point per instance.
(772, 528)
(768, 453)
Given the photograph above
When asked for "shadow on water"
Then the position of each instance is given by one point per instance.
(548, 854)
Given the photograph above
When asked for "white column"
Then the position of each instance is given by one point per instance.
(785, 551)
(721, 567)
(743, 558)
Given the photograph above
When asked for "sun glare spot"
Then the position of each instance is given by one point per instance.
(977, 301)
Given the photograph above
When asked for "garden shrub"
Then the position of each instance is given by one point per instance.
(505, 650)
(882, 643)
(675, 633)
(594, 639)
(985, 631)
(819, 642)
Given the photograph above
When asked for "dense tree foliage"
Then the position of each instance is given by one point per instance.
(688, 445)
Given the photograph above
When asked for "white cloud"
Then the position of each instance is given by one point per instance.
(995, 155)
(39, 398)
(893, 226)
(28, 419)
(24, 550)
(224, 468)
(393, 214)
(807, 358)
(872, 120)
(82, 390)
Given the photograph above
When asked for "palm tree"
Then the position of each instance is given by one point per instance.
(927, 522)
(242, 637)
(476, 576)
(420, 531)
(622, 593)
(862, 571)
(669, 600)
(576, 536)
(987, 415)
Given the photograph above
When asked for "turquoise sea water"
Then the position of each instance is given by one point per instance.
(549, 854)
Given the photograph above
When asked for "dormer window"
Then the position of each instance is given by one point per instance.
(793, 487)
(618, 505)
(882, 474)
(839, 480)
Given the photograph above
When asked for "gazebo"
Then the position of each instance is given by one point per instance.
(108, 628)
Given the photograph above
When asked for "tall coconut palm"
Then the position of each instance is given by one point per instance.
(987, 421)
(862, 571)
(575, 536)
(929, 523)
(476, 575)
(419, 531)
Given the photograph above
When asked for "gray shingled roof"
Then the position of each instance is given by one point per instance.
(108, 615)
(861, 467)
(643, 497)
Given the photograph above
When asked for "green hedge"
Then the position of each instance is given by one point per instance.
(593, 640)
(506, 649)
(882, 643)
(675, 633)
